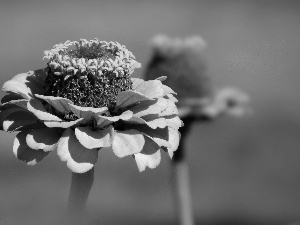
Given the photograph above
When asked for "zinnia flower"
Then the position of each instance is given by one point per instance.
(85, 100)
(182, 61)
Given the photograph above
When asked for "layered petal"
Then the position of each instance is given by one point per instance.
(11, 96)
(151, 89)
(156, 122)
(22, 103)
(174, 139)
(65, 124)
(78, 158)
(128, 142)
(167, 137)
(37, 108)
(59, 103)
(171, 98)
(129, 98)
(104, 121)
(23, 152)
(136, 82)
(26, 84)
(161, 107)
(18, 120)
(151, 161)
(174, 121)
(45, 138)
(94, 138)
(5, 113)
(162, 78)
(87, 112)
(133, 142)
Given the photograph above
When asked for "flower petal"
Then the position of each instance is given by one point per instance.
(162, 78)
(144, 160)
(171, 98)
(128, 142)
(94, 139)
(15, 103)
(128, 98)
(18, 119)
(79, 159)
(45, 138)
(174, 139)
(136, 82)
(24, 153)
(26, 84)
(65, 124)
(161, 106)
(10, 96)
(86, 112)
(167, 90)
(157, 122)
(174, 121)
(160, 136)
(59, 103)
(103, 121)
(5, 113)
(151, 89)
(37, 108)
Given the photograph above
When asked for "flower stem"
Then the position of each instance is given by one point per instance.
(81, 185)
(182, 184)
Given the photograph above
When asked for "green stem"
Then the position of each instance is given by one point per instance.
(181, 175)
(183, 194)
(81, 185)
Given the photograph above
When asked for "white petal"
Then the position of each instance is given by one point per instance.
(128, 142)
(45, 138)
(59, 103)
(79, 159)
(94, 139)
(151, 161)
(37, 108)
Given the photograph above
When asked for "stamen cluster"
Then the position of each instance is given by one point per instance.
(89, 73)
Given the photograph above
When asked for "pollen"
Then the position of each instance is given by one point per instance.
(89, 73)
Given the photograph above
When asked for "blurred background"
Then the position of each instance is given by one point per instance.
(243, 171)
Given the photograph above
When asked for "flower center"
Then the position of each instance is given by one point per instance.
(89, 73)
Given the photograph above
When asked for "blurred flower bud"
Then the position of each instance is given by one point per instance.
(181, 60)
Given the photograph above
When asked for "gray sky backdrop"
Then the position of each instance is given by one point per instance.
(239, 167)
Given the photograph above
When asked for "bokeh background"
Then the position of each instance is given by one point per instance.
(243, 171)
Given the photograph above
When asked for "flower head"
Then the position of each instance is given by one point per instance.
(182, 61)
(85, 100)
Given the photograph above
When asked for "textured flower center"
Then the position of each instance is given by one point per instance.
(89, 73)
